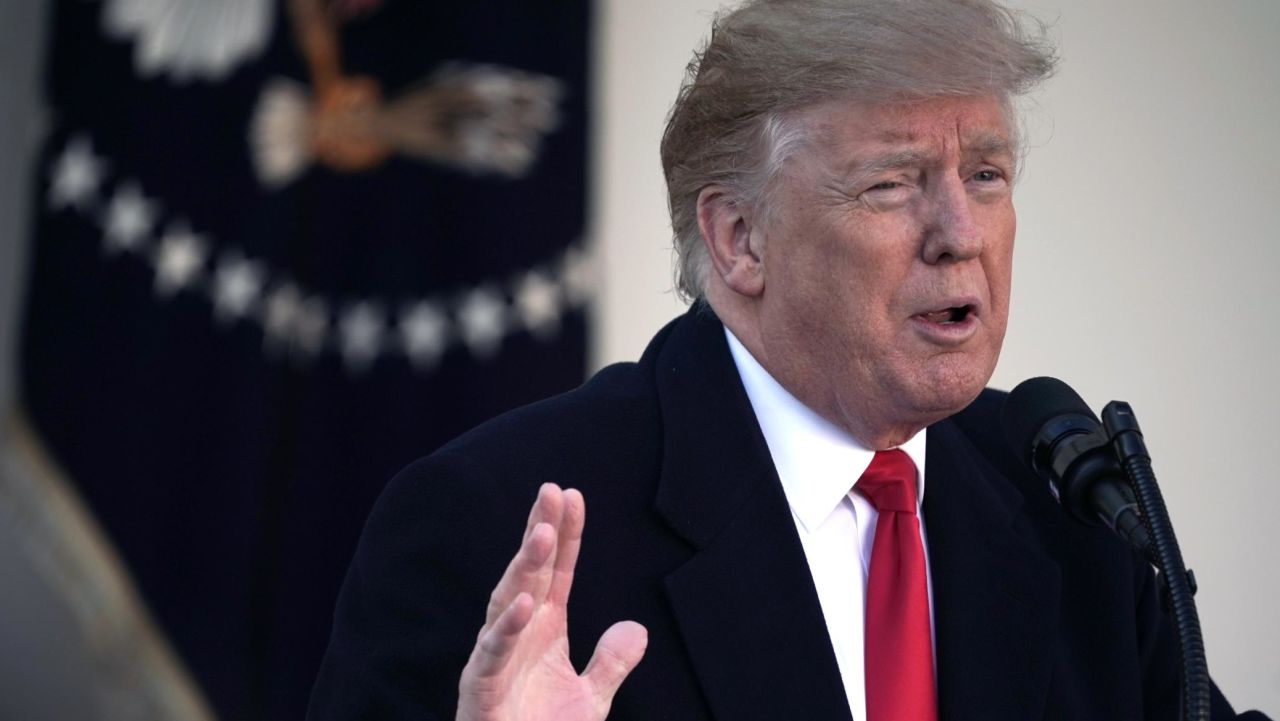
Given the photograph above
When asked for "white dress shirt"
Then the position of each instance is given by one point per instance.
(818, 463)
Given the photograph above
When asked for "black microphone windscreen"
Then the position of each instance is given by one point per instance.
(1032, 404)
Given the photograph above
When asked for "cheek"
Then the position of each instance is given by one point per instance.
(999, 272)
(998, 256)
(997, 320)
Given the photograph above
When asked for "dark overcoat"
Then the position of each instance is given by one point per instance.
(688, 532)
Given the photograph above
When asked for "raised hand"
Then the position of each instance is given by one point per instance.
(519, 669)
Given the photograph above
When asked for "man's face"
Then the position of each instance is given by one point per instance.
(887, 262)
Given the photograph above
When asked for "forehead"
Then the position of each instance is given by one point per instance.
(938, 129)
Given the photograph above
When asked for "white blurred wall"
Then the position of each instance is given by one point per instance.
(1147, 269)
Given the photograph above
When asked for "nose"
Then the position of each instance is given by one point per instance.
(953, 233)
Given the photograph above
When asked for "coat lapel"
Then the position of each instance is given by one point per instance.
(995, 594)
(745, 602)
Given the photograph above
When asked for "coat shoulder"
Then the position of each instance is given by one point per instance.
(575, 439)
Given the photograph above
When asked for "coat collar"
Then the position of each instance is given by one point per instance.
(745, 602)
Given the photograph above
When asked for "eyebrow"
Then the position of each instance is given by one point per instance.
(986, 144)
(891, 161)
(989, 144)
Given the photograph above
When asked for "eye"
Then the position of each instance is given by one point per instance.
(888, 194)
(987, 176)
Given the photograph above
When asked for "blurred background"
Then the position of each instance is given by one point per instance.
(257, 255)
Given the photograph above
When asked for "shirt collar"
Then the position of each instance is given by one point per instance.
(817, 461)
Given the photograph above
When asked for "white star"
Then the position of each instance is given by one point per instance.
(361, 329)
(292, 322)
(76, 175)
(482, 323)
(128, 219)
(538, 303)
(423, 333)
(178, 259)
(237, 283)
(280, 314)
(578, 274)
(311, 326)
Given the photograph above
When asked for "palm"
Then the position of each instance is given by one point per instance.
(520, 668)
(542, 681)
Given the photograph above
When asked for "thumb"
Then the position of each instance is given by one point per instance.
(619, 650)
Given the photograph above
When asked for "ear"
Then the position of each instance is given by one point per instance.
(733, 241)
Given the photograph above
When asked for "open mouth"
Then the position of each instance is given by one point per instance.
(947, 316)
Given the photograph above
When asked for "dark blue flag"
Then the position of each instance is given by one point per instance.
(281, 250)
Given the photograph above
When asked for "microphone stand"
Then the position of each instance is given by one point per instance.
(1177, 584)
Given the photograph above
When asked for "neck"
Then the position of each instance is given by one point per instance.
(742, 320)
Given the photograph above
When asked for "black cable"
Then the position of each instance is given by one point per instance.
(1176, 581)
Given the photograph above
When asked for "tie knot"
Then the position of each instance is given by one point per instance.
(890, 482)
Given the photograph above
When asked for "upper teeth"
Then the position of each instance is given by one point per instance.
(949, 315)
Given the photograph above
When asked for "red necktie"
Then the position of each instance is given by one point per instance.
(899, 654)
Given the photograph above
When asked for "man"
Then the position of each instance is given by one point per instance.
(840, 177)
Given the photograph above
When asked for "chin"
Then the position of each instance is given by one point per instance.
(947, 390)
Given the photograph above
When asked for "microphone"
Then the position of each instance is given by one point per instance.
(1053, 431)
(1090, 467)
